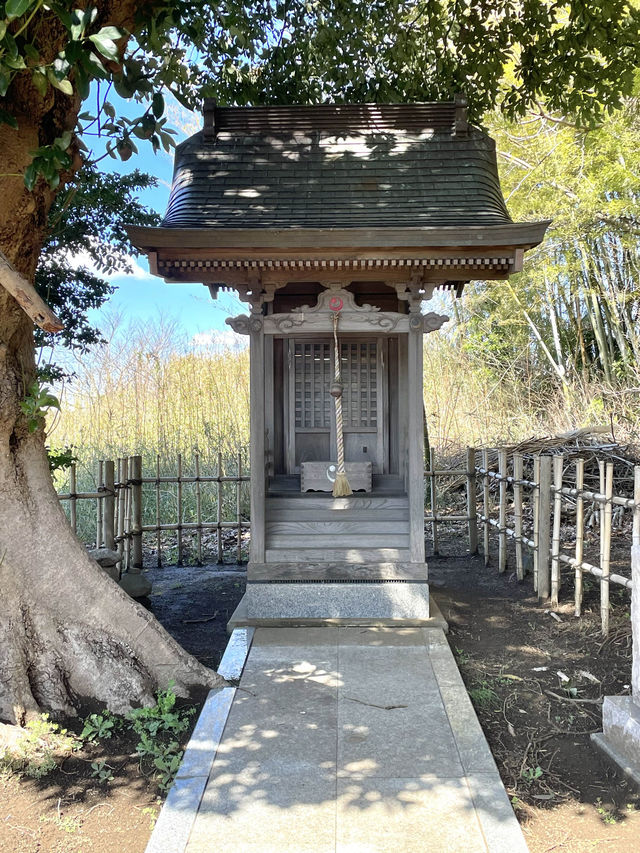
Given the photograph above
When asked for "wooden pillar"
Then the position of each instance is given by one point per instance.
(257, 442)
(415, 436)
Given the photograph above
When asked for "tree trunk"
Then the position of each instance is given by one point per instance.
(68, 633)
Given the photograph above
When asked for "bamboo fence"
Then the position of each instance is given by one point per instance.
(122, 503)
(528, 509)
(554, 490)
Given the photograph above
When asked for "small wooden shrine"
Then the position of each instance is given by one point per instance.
(335, 224)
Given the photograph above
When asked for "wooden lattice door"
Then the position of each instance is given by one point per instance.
(311, 419)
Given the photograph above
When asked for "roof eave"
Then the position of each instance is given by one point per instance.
(522, 235)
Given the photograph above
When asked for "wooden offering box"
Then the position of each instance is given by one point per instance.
(320, 476)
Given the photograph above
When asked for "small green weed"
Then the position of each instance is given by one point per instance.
(484, 696)
(37, 401)
(152, 812)
(100, 726)
(607, 815)
(531, 774)
(461, 656)
(70, 825)
(102, 771)
(158, 728)
(37, 751)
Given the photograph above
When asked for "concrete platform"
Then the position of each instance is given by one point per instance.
(241, 619)
(357, 740)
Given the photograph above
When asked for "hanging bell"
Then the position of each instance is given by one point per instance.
(336, 389)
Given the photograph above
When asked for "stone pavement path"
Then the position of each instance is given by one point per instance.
(355, 740)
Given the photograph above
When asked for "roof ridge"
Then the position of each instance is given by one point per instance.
(445, 116)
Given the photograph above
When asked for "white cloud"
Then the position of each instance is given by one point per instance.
(220, 339)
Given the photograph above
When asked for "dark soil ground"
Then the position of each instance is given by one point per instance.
(509, 651)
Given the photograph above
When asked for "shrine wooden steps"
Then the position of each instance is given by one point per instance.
(319, 528)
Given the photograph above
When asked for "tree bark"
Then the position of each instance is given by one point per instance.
(68, 633)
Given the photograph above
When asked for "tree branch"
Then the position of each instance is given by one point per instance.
(27, 298)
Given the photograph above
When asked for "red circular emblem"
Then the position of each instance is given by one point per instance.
(336, 303)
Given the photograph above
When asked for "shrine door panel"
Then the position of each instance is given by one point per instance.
(311, 416)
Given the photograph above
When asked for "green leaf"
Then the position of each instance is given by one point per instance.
(64, 86)
(111, 33)
(40, 82)
(4, 84)
(30, 175)
(16, 64)
(106, 46)
(16, 8)
(157, 104)
(3, 29)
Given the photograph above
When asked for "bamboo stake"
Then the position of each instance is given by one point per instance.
(579, 533)
(122, 504)
(127, 515)
(434, 499)
(238, 509)
(108, 513)
(219, 509)
(179, 501)
(535, 498)
(99, 506)
(136, 512)
(600, 507)
(636, 509)
(558, 467)
(517, 512)
(198, 511)
(485, 504)
(544, 527)
(73, 509)
(502, 512)
(158, 514)
(605, 549)
(471, 500)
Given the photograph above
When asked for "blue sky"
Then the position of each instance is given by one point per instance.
(141, 297)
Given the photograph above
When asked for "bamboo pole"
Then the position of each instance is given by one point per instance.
(179, 509)
(73, 509)
(219, 509)
(158, 514)
(502, 511)
(579, 534)
(239, 509)
(108, 513)
(99, 505)
(471, 500)
(558, 467)
(544, 527)
(601, 471)
(485, 505)
(198, 512)
(434, 499)
(127, 516)
(136, 512)
(636, 509)
(121, 506)
(605, 549)
(535, 499)
(517, 512)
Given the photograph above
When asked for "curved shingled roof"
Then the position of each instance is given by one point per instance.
(336, 166)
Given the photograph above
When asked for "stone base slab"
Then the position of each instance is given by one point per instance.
(620, 737)
(376, 600)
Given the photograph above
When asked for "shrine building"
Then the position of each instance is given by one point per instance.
(336, 224)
